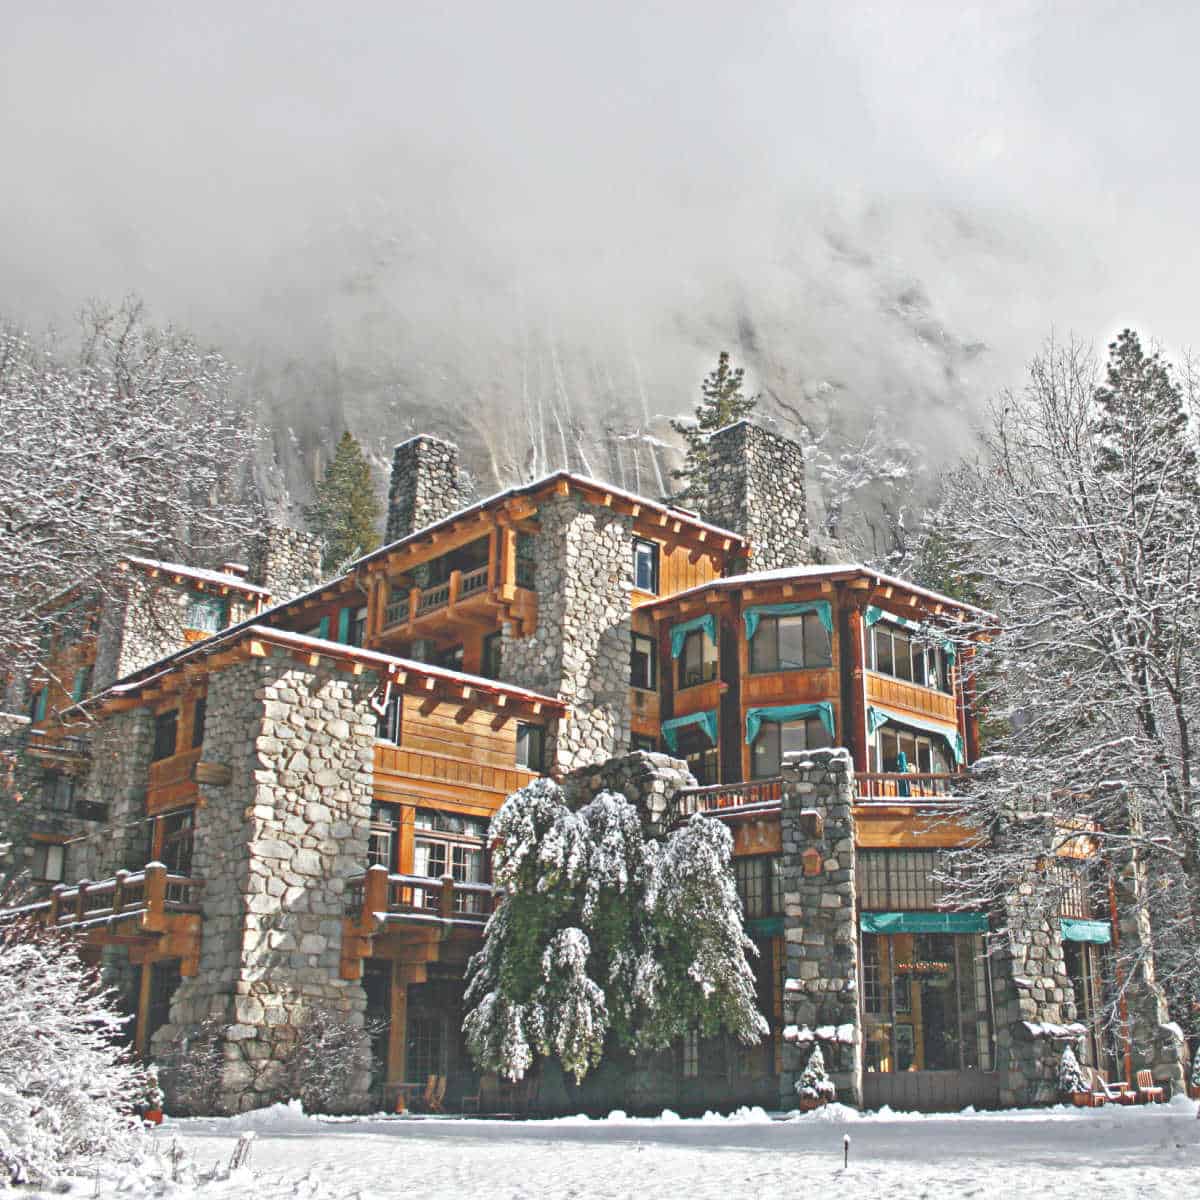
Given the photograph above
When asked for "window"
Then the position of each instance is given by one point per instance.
(206, 613)
(450, 844)
(790, 644)
(899, 880)
(199, 713)
(643, 741)
(643, 663)
(166, 730)
(37, 705)
(49, 862)
(776, 739)
(645, 565)
(81, 686)
(697, 659)
(383, 841)
(451, 658)
(760, 885)
(702, 757)
(59, 791)
(901, 654)
(389, 723)
(926, 755)
(691, 1054)
(491, 659)
(358, 627)
(176, 833)
(531, 747)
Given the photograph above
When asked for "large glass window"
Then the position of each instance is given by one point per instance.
(176, 833)
(790, 644)
(697, 660)
(383, 839)
(450, 844)
(206, 613)
(899, 880)
(531, 747)
(645, 565)
(166, 732)
(775, 739)
(760, 885)
(922, 753)
(643, 663)
(702, 757)
(903, 655)
(58, 788)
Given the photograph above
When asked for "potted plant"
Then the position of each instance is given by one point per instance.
(1071, 1081)
(151, 1107)
(814, 1087)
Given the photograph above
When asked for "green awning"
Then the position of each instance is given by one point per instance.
(679, 632)
(788, 712)
(1076, 930)
(754, 614)
(877, 715)
(875, 614)
(923, 922)
(765, 927)
(707, 720)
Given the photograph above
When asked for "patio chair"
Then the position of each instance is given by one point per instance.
(438, 1095)
(1149, 1092)
(427, 1096)
(1118, 1092)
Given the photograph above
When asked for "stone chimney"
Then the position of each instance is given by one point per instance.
(425, 485)
(287, 562)
(756, 488)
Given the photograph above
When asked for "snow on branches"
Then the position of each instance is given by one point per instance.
(603, 934)
(1070, 1076)
(814, 1082)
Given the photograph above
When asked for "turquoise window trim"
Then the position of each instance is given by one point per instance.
(877, 716)
(77, 684)
(755, 613)
(923, 922)
(679, 632)
(788, 712)
(1099, 933)
(706, 719)
(765, 926)
(343, 633)
(323, 628)
(39, 710)
(875, 614)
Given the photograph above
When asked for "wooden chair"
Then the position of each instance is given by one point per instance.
(1148, 1092)
(1117, 1093)
(427, 1096)
(435, 1104)
(474, 1101)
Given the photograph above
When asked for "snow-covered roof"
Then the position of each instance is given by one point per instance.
(538, 485)
(819, 571)
(214, 578)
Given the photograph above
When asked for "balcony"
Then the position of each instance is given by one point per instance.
(45, 743)
(893, 786)
(409, 607)
(379, 896)
(758, 795)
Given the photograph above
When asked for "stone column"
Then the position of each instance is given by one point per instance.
(648, 781)
(820, 919)
(287, 562)
(583, 575)
(426, 485)
(274, 847)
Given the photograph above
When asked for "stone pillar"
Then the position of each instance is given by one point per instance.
(425, 487)
(820, 919)
(648, 781)
(274, 847)
(756, 488)
(583, 575)
(287, 562)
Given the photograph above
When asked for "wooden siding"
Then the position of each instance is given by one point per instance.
(171, 784)
(700, 698)
(910, 697)
(676, 572)
(790, 687)
(763, 836)
(896, 829)
(425, 779)
(458, 730)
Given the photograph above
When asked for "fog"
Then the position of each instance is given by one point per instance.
(532, 225)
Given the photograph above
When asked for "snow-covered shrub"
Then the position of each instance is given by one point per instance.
(153, 1097)
(1195, 1079)
(605, 935)
(328, 1054)
(192, 1069)
(814, 1082)
(68, 1087)
(1070, 1075)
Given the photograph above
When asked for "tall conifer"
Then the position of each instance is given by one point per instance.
(346, 510)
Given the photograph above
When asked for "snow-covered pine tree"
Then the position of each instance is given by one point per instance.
(345, 511)
(722, 402)
(814, 1082)
(605, 936)
(68, 1088)
(1070, 1074)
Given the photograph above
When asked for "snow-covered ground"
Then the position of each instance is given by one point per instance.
(1021, 1155)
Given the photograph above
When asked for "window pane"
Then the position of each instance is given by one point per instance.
(793, 736)
(531, 747)
(818, 652)
(642, 656)
(791, 643)
(902, 656)
(764, 646)
(765, 752)
(165, 730)
(883, 651)
(645, 566)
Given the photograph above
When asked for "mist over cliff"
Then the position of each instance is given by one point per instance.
(531, 226)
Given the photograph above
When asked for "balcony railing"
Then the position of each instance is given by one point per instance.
(151, 892)
(721, 796)
(66, 745)
(419, 602)
(380, 894)
(891, 785)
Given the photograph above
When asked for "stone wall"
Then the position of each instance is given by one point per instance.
(647, 781)
(20, 794)
(756, 488)
(583, 575)
(820, 921)
(287, 562)
(426, 485)
(275, 846)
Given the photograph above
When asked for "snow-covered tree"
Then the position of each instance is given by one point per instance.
(1070, 1075)
(814, 1082)
(327, 1055)
(129, 444)
(605, 936)
(68, 1088)
(345, 510)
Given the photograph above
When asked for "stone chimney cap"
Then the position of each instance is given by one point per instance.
(236, 568)
(424, 437)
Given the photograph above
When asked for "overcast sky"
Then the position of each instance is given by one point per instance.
(1021, 164)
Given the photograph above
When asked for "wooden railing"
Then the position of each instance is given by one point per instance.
(891, 785)
(380, 893)
(727, 795)
(153, 891)
(67, 745)
(419, 602)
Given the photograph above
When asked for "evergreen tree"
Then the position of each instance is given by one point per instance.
(722, 402)
(1070, 1077)
(814, 1082)
(346, 510)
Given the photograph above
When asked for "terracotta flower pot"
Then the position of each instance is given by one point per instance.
(1194, 1091)
(808, 1103)
(153, 1116)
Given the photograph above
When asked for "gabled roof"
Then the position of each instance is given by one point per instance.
(205, 579)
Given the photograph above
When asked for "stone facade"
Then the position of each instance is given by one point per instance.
(820, 993)
(426, 485)
(287, 562)
(647, 781)
(583, 575)
(299, 742)
(756, 488)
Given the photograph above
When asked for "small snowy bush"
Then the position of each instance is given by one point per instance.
(1070, 1075)
(1196, 1067)
(193, 1066)
(814, 1082)
(68, 1087)
(329, 1052)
